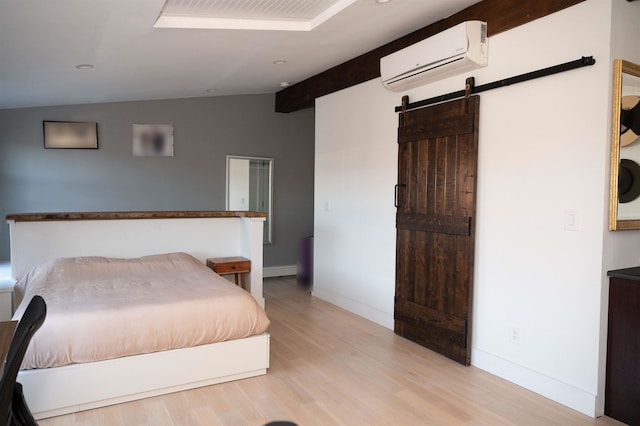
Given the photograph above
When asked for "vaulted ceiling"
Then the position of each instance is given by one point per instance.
(42, 43)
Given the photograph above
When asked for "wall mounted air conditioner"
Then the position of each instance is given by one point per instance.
(454, 51)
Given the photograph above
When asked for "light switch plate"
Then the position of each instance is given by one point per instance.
(571, 220)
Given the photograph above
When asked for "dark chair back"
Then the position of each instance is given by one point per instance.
(30, 322)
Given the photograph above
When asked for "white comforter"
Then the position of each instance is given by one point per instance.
(100, 308)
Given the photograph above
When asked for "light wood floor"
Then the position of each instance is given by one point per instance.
(331, 367)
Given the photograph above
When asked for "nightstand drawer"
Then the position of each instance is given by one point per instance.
(232, 268)
(229, 265)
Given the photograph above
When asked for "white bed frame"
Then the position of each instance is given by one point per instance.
(62, 390)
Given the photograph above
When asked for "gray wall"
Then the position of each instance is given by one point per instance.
(33, 179)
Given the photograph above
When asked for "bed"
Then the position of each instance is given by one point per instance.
(101, 308)
(53, 386)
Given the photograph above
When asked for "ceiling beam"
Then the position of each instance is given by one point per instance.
(500, 15)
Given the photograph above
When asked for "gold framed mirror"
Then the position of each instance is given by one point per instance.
(624, 203)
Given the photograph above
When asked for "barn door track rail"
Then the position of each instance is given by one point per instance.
(567, 66)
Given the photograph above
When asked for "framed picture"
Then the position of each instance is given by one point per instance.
(70, 135)
(153, 140)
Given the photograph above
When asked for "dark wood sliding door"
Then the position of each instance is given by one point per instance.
(435, 220)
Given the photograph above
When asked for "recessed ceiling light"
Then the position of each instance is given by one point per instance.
(383, 1)
(280, 62)
(285, 84)
(84, 66)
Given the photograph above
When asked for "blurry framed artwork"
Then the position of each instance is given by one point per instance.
(70, 135)
(152, 140)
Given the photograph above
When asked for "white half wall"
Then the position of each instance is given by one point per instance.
(543, 154)
(36, 242)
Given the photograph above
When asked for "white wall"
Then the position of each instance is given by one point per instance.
(621, 249)
(543, 154)
(544, 151)
(354, 216)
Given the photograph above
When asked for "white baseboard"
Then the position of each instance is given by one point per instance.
(365, 311)
(279, 271)
(560, 392)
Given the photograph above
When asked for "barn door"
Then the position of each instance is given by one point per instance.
(435, 220)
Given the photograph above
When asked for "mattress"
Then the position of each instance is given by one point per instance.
(103, 308)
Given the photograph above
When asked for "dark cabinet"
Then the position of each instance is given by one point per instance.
(622, 389)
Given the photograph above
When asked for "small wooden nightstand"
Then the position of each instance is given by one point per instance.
(230, 265)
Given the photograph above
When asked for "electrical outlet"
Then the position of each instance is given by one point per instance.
(514, 335)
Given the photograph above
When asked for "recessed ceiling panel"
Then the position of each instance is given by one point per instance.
(283, 15)
(249, 9)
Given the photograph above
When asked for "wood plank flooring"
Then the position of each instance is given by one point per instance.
(330, 367)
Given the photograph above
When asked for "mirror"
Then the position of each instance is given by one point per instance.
(624, 207)
(250, 187)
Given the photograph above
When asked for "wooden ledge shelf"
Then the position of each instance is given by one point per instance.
(50, 217)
